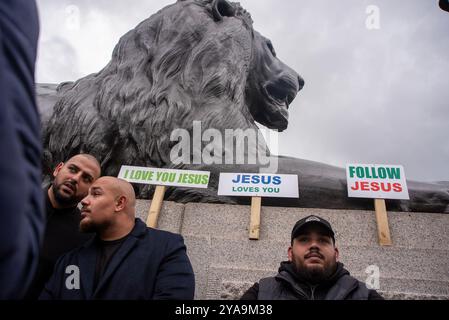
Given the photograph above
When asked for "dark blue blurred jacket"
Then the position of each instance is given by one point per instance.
(21, 200)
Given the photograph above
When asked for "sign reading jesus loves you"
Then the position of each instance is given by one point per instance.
(257, 184)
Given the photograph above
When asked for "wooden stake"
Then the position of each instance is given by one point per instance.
(254, 225)
(383, 230)
(156, 205)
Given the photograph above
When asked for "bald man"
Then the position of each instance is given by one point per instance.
(126, 260)
(72, 180)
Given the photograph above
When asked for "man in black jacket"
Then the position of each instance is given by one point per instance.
(126, 260)
(312, 271)
(71, 183)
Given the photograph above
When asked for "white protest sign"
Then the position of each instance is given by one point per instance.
(165, 177)
(376, 181)
(258, 185)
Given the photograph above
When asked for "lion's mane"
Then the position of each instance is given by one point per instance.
(177, 66)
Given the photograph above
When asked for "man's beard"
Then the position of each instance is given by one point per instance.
(87, 225)
(61, 199)
(314, 274)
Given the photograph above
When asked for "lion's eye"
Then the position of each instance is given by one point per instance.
(270, 46)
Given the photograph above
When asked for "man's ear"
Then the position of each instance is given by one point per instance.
(120, 203)
(290, 250)
(57, 169)
(337, 254)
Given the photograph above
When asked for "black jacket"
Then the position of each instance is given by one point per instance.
(150, 264)
(287, 285)
(21, 206)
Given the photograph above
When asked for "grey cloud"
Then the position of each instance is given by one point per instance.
(58, 61)
(370, 96)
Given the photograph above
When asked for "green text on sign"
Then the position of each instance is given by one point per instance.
(165, 177)
(374, 172)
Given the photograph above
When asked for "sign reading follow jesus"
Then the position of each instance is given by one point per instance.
(376, 181)
(165, 177)
(258, 185)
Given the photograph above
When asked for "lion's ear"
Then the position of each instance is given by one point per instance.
(222, 8)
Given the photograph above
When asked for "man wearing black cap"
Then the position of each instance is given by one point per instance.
(312, 271)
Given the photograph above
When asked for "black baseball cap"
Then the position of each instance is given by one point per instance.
(300, 224)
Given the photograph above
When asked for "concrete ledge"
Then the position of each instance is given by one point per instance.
(353, 227)
(170, 218)
(398, 262)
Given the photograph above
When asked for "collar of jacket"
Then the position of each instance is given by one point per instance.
(89, 254)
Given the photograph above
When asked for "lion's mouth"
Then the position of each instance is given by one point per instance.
(278, 97)
(280, 93)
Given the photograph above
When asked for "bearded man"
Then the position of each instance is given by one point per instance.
(71, 183)
(312, 271)
(126, 260)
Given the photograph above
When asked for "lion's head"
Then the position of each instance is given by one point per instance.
(193, 60)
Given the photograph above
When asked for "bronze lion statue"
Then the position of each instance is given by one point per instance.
(194, 61)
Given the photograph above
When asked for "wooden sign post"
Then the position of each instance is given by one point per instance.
(383, 230)
(379, 182)
(257, 185)
(155, 207)
(254, 224)
(163, 178)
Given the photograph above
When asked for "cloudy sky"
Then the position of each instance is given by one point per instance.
(377, 90)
